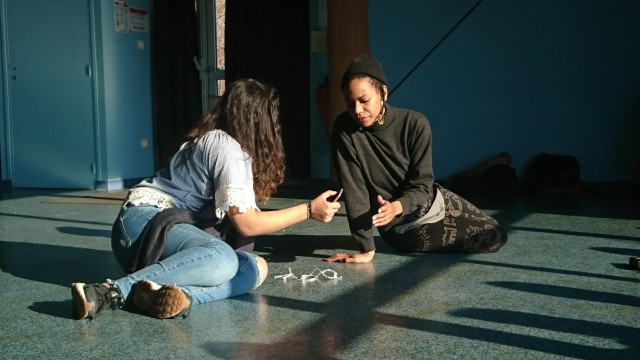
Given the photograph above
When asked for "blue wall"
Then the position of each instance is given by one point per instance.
(124, 98)
(525, 77)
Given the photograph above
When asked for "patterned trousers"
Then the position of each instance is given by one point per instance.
(464, 229)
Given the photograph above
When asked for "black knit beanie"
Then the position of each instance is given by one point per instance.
(364, 65)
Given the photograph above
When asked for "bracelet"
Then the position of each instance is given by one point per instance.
(309, 214)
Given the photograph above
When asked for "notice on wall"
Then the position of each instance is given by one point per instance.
(138, 20)
(121, 11)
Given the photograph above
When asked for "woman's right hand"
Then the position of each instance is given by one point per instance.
(322, 209)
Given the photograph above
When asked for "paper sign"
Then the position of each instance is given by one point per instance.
(138, 20)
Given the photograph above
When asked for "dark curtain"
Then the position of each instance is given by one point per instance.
(269, 40)
(177, 100)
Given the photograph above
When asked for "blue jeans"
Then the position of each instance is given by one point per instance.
(203, 266)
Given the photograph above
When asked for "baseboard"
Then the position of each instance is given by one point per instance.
(117, 184)
(6, 185)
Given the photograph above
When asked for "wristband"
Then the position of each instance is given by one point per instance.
(309, 214)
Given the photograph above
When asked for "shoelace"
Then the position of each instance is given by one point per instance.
(327, 273)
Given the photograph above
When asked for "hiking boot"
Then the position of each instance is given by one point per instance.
(166, 301)
(90, 300)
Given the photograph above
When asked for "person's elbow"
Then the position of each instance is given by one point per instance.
(244, 223)
(246, 231)
(244, 227)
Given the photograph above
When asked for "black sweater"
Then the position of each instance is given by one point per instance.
(392, 160)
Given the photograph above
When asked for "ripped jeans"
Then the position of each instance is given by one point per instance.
(202, 265)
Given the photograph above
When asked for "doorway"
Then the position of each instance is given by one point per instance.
(266, 40)
(52, 137)
(269, 40)
(211, 63)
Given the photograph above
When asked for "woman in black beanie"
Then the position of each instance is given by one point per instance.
(382, 158)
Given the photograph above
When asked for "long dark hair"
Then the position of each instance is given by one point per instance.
(249, 111)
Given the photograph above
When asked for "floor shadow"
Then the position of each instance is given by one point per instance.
(625, 335)
(286, 248)
(73, 230)
(60, 220)
(553, 270)
(570, 293)
(617, 251)
(61, 309)
(60, 265)
(574, 233)
(22, 193)
(513, 339)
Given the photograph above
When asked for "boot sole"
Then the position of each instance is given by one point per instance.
(167, 301)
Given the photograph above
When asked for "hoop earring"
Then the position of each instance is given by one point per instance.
(380, 118)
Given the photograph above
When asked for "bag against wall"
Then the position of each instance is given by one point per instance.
(493, 176)
(497, 179)
(554, 171)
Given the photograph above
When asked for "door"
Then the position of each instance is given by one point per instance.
(51, 97)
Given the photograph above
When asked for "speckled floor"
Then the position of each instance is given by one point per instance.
(561, 288)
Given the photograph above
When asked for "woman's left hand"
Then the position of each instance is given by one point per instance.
(357, 258)
(386, 212)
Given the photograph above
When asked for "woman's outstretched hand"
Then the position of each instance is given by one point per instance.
(352, 258)
(322, 209)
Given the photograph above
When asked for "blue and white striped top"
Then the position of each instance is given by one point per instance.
(217, 169)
